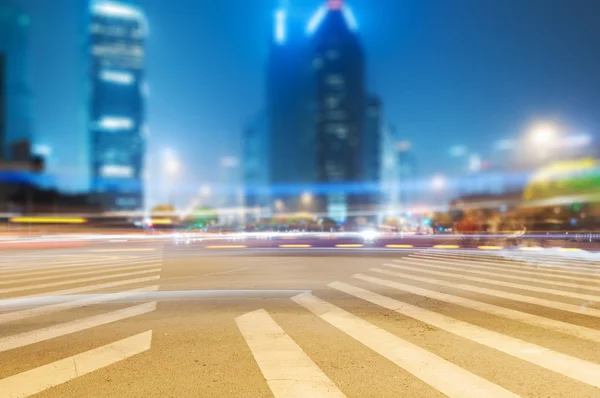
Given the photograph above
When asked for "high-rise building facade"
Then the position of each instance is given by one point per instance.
(339, 107)
(15, 117)
(116, 103)
(256, 167)
(289, 126)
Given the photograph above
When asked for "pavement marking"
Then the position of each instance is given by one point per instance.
(490, 247)
(289, 372)
(512, 269)
(74, 281)
(400, 246)
(226, 247)
(457, 267)
(47, 376)
(576, 309)
(49, 309)
(446, 247)
(555, 292)
(51, 332)
(349, 245)
(57, 268)
(146, 249)
(566, 365)
(294, 246)
(12, 301)
(19, 278)
(446, 377)
(581, 332)
(514, 264)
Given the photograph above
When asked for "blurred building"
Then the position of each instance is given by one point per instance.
(256, 164)
(290, 128)
(339, 106)
(117, 103)
(389, 172)
(407, 176)
(15, 84)
(371, 156)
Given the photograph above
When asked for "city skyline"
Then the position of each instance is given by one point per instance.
(467, 102)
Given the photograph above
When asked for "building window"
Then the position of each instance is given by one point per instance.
(332, 102)
(334, 80)
(317, 63)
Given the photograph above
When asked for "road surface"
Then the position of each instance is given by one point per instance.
(158, 320)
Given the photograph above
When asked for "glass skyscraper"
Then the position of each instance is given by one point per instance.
(15, 116)
(116, 104)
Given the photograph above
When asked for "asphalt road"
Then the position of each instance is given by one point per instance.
(132, 320)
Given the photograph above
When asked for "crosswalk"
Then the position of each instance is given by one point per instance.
(44, 290)
(543, 299)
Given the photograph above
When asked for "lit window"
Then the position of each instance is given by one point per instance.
(333, 54)
(332, 102)
(117, 77)
(334, 80)
(317, 63)
(116, 171)
(115, 123)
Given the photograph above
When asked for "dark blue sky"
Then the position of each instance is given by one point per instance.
(449, 72)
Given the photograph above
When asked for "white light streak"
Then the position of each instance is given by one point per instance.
(350, 18)
(280, 33)
(316, 20)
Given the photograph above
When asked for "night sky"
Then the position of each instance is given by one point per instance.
(466, 72)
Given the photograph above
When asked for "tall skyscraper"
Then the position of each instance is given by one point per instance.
(290, 128)
(339, 106)
(16, 121)
(2, 105)
(116, 103)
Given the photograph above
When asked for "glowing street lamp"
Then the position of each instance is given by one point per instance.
(438, 182)
(543, 135)
(307, 198)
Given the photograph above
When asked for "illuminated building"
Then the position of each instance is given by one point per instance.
(339, 106)
(256, 163)
(116, 103)
(289, 126)
(15, 92)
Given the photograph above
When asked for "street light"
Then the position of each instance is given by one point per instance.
(543, 135)
(307, 198)
(438, 182)
(279, 205)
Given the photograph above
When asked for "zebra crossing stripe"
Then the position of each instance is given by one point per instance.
(581, 310)
(575, 368)
(39, 379)
(446, 377)
(524, 317)
(289, 372)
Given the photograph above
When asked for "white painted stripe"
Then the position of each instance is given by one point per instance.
(461, 268)
(524, 317)
(518, 270)
(51, 332)
(289, 372)
(39, 379)
(8, 302)
(581, 310)
(49, 309)
(20, 271)
(520, 265)
(17, 279)
(445, 376)
(74, 281)
(555, 292)
(575, 368)
(57, 268)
